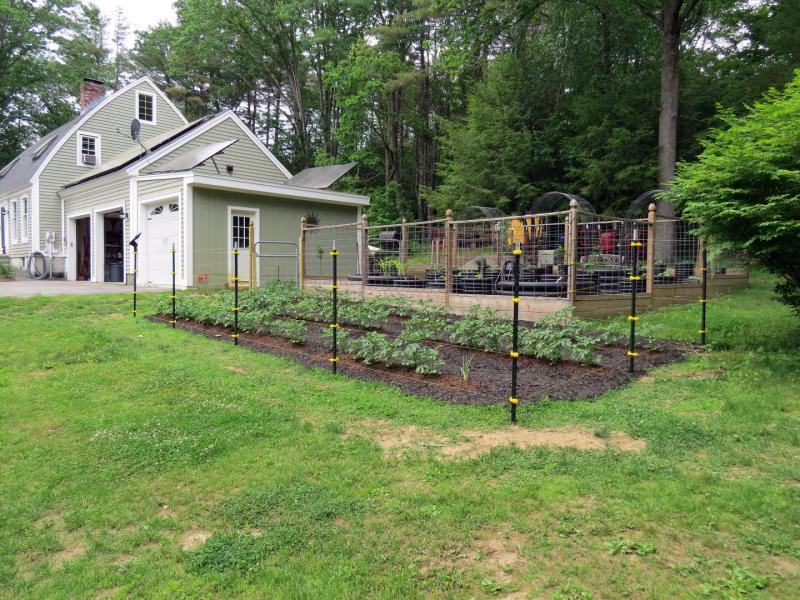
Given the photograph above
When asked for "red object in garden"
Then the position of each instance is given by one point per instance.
(608, 242)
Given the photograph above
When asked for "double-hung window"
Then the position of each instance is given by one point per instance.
(88, 149)
(25, 219)
(146, 107)
(14, 221)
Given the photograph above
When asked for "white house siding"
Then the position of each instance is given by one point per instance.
(62, 168)
(160, 188)
(248, 158)
(91, 197)
(20, 249)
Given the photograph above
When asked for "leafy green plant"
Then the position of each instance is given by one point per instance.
(386, 265)
(465, 367)
(376, 347)
(481, 328)
(5, 272)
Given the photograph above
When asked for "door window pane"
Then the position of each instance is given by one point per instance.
(240, 235)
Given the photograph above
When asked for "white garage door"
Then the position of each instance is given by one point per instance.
(161, 229)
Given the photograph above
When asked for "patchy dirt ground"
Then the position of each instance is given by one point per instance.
(396, 439)
(490, 373)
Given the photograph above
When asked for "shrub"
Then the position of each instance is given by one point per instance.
(745, 186)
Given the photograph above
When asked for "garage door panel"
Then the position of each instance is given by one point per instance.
(161, 232)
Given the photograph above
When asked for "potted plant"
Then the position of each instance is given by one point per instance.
(684, 269)
(403, 280)
(387, 267)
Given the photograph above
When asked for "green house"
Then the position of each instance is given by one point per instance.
(85, 190)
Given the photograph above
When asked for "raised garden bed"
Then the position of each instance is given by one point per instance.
(435, 348)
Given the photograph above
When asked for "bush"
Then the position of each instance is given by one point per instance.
(745, 187)
(6, 272)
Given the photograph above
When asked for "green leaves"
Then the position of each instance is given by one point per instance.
(744, 189)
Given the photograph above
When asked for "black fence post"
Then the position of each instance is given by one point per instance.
(174, 312)
(634, 279)
(235, 334)
(334, 359)
(704, 300)
(134, 243)
(515, 336)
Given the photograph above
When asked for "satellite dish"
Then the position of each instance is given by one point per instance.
(135, 128)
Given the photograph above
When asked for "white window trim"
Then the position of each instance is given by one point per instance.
(14, 220)
(97, 148)
(25, 205)
(136, 107)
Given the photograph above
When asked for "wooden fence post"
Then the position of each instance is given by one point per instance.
(364, 255)
(572, 250)
(449, 248)
(404, 242)
(651, 249)
(301, 250)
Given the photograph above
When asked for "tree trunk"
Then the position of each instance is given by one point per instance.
(670, 85)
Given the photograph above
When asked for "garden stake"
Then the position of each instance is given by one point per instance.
(634, 278)
(174, 319)
(704, 300)
(235, 334)
(515, 336)
(135, 244)
(335, 321)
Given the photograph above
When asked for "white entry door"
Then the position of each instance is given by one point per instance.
(239, 237)
(161, 231)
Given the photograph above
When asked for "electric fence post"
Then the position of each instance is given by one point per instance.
(515, 335)
(334, 359)
(174, 318)
(634, 279)
(235, 334)
(134, 243)
(704, 300)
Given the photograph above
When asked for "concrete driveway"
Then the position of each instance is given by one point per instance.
(25, 288)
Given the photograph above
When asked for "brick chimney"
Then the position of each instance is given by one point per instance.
(91, 89)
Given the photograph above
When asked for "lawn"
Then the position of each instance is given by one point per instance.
(140, 461)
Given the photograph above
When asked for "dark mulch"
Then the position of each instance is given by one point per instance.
(490, 373)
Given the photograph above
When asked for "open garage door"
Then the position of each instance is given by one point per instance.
(161, 231)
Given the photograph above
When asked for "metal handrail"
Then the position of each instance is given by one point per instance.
(296, 254)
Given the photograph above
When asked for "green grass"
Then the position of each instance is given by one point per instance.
(121, 439)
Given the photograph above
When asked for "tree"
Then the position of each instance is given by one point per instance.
(46, 48)
(119, 41)
(744, 188)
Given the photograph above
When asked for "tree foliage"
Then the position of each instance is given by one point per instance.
(744, 187)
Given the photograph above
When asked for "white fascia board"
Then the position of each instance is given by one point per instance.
(280, 191)
(68, 135)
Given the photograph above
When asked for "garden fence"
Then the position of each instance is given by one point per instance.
(569, 258)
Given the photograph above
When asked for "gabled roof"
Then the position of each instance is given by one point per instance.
(30, 162)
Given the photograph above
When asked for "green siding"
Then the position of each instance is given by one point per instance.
(248, 159)
(279, 220)
(62, 168)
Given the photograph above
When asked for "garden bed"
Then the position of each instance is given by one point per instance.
(489, 372)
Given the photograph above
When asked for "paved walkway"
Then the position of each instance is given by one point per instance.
(25, 288)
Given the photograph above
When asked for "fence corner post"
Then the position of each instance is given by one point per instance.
(449, 245)
(651, 250)
(364, 255)
(572, 250)
(301, 250)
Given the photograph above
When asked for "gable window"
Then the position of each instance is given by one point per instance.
(146, 107)
(88, 149)
(25, 219)
(14, 222)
